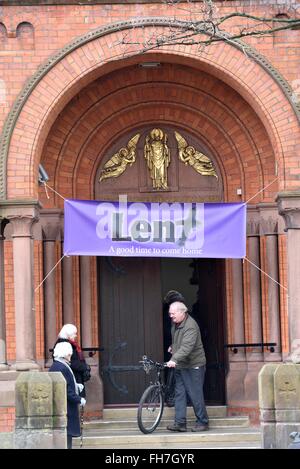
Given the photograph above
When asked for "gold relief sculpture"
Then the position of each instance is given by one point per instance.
(157, 155)
(117, 164)
(189, 155)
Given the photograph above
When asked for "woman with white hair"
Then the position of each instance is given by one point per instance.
(80, 368)
(62, 356)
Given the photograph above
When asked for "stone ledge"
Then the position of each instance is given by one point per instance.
(9, 375)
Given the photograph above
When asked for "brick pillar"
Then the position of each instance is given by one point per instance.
(289, 208)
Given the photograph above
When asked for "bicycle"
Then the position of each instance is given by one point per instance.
(151, 405)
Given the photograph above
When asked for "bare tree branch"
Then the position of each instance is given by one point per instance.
(205, 27)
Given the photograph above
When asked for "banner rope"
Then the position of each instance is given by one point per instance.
(265, 273)
(53, 268)
(53, 190)
(245, 258)
(264, 188)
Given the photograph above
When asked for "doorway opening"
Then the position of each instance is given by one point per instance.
(201, 282)
(133, 321)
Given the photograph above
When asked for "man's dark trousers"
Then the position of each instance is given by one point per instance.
(189, 381)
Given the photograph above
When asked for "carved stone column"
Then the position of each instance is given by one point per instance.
(68, 304)
(255, 297)
(269, 228)
(289, 208)
(50, 222)
(238, 308)
(254, 355)
(3, 364)
(67, 286)
(237, 363)
(22, 216)
(85, 301)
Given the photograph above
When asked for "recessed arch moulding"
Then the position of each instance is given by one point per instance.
(115, 107)
(247, 83)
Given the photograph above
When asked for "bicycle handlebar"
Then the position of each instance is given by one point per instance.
(149, 364)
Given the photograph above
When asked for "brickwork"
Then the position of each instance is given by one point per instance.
(7, 419)
(283, 276)
(54, 27)
(264, 290)
(252, 412)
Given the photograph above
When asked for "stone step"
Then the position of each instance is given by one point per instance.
(218, 422)
(212, 438)
(209, 445)
(128, 413)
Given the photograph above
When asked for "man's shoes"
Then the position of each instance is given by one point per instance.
(177, 427)
(200, 427)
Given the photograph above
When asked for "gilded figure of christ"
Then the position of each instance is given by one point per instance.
(157, 155)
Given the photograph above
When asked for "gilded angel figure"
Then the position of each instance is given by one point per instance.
(117, 164)
(189, 155)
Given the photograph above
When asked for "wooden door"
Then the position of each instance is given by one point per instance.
(130, 305)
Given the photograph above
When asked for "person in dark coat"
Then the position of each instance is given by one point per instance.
(170, 297)
(80, 368)
(188, 359)
(62, 356)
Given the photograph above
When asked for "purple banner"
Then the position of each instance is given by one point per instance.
(137, 229)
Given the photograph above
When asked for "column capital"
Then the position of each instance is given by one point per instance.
(21, 215)
(253, 228)
(21, 225)
(289, 208)
(269, 227)
(51, 224)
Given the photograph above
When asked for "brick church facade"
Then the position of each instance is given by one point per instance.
(71, 95)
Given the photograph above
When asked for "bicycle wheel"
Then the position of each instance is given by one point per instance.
(150, 409)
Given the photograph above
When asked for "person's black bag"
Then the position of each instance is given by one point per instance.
(86, 375)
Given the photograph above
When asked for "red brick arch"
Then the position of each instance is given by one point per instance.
(178, 96)
(96, 58)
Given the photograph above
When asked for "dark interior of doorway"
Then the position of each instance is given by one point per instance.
(201, 282)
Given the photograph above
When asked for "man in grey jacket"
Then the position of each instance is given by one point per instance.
(188, 359)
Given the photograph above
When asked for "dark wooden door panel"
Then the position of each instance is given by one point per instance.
(131, 313)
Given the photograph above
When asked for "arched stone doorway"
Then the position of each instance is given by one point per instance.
(222, 99)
